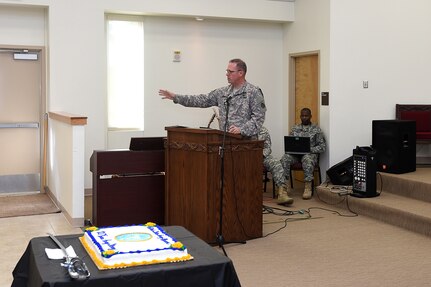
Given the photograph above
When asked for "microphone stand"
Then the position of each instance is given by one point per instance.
(211, 120)
(219, 236)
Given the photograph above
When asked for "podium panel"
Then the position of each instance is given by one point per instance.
(193, 184)
(128, 187)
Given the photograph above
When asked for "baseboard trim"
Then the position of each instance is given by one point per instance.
(75, 222)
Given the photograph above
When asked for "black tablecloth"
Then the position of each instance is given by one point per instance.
(209, 268)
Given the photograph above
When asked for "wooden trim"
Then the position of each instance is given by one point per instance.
(68, 118)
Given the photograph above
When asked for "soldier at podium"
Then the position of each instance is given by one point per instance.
(240, 102)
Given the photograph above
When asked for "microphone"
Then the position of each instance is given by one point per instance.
(228, 99)
(233, 95)
(211, 120)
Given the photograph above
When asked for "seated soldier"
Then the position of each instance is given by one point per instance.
(317, 145)
(274, 166)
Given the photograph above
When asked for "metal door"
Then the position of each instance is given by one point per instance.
(20, 120)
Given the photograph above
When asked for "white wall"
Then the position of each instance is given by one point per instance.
(206, 49)
(65, 162)
(310, 32)
(22, 26)
(77, 58)
(382, 41)
(385, 42)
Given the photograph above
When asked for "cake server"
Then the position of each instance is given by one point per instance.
(75, 266)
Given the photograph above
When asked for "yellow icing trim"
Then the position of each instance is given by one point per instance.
(103, 266)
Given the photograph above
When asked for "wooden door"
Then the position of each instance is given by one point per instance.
(306, 86)
(305, 94)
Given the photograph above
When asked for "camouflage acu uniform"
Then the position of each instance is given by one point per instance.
(246, 106)
(271, 164)
(317, 145)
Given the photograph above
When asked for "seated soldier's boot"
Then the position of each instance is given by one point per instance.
(308, 192)
(283, 196)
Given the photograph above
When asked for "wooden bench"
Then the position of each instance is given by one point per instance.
(421, 114)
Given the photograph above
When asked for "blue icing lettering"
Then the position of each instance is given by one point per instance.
(110, 245)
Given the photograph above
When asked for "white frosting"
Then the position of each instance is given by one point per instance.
(133, 245)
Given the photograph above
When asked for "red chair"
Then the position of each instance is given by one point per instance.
(419, 113)
(265, 180)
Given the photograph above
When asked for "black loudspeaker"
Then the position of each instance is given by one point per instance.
(342, 172)
(395, 145)
(364, 172)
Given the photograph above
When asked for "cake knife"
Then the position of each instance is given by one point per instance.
(75, 266)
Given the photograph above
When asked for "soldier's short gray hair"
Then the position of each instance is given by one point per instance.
(240, 64)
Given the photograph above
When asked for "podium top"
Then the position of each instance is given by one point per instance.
(202, 131)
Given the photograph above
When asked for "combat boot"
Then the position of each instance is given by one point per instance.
(283, 196)
(308, 192)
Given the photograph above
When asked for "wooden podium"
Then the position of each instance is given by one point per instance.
(128, 186)
(193, 169)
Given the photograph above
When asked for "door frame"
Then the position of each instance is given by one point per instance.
(43, 119)
(297, 175)
(292, 83)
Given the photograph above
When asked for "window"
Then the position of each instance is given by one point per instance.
(125, 58)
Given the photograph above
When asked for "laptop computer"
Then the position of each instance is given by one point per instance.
(296, 145)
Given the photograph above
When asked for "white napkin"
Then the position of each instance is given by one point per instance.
(54, 253)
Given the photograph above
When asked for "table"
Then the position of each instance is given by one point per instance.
(209, 267)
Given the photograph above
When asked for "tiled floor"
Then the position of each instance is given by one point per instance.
(16, 233)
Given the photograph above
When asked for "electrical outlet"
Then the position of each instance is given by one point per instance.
(365, 84)
(177, 56)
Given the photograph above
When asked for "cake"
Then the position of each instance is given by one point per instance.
(123, 246)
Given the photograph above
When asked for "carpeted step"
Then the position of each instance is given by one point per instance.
(415, 185)
(405, 212)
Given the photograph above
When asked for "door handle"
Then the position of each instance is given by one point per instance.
(18, 125)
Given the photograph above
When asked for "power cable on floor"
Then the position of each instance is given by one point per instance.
(344, 193)
(284, 212)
